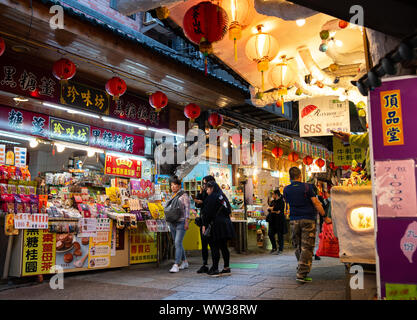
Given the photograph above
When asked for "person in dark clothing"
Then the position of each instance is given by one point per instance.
(276, 220)
(216, 214)
(199, 203)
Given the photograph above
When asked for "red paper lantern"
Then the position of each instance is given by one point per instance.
(158, 100)
(320, 162)
(192, 111)
(204, 24)
(64, 69)
(215, 120)
(343, 24)
(2, 46)
(307, 160)
(332, 166)
(293, 156)
(277, 152)
(346, 167)
(236, 139)
(116, 87)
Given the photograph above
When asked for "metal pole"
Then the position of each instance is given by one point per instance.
(8, 258)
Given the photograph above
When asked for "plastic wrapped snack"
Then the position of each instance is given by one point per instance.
(19, 206)
(8, 203)
(34, 204)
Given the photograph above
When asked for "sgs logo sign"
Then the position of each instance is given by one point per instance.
(312, 128)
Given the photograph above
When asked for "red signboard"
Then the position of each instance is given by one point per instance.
(123, 167)
(25, 122)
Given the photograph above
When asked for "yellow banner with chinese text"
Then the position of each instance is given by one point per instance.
(38, 252)
(392, 121)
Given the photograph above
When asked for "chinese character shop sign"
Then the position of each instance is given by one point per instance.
(122, 166)
(345, 153)
(38, 252)
(69, 131)
(392, 123)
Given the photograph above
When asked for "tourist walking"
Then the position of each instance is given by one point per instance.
(217, 227)
(276, 222)
(303, 205)
(177, 213)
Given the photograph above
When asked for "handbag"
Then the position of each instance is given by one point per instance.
(329, 244)
(173, 209)
(208, 233)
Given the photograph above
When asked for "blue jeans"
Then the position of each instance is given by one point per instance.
(178, 233)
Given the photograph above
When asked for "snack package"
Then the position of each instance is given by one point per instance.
(18, 204)
(31, 190)
(3, 188)
(12, 172)
(21, 189)
(34, 204)
(8, 203)
(11, 188)
(4, 174)
(18, 173)
(26, 203)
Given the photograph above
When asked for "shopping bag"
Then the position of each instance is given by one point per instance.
(328, 243)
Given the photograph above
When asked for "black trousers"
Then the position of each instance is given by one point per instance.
(271, 233)
(216, 247)
(204, 247)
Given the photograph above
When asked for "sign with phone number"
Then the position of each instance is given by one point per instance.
(123, 166)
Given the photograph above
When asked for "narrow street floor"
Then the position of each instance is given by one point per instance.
(254, 276)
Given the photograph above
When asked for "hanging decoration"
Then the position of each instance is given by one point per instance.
(2, 46)
(236, 139)
(293, 156)
(257, 147)
(277, 152)
(241, 13)
(332, 166)
(262, 48)
(215, 120)
(192, 111)
(158, 100)
(320, 162)
(64, 70)
(116, 87)
(162, 13)
(346, 167)
(308, 160)
(204, 24)
(282, 77)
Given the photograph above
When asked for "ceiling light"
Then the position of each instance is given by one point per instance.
(126, 123)
(90, 153)
(129, 156)
(20, 99)
(167, 132)
(9, 142)
(60, 147)
(225, 144)
(300, 22)
(339, 43)
(72, 111)
(33, 143)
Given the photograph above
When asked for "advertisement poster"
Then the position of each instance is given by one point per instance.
(345, 153)
(31, 221)
(142, 245)
(394, 147)
(38, 252)
(122, 166)
(87, 227)
(318, 116)
(20, 157)
(2, 154)
(99, 252)
(223, 176)
(71, 251)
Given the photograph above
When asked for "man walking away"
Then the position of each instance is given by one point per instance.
(303, 205)
(277, 223)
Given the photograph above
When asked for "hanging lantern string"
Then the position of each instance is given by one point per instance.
(263, 83)
(235, 47)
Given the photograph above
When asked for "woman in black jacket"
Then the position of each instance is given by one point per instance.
(216, 212)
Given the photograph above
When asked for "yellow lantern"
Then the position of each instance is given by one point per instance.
(262, 48)
(241, 12)
(282, 76)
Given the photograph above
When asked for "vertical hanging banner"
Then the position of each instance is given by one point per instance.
(319, 116)
(394, 147)
(38, 252)
(2, 154)
(20, 157)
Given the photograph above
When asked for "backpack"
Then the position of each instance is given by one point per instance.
(173, 208)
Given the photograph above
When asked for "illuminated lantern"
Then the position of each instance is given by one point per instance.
(192, 111)
(346, 167)
(64, 69)
(320, 162)
(262, 48)
(293, 157)
(236, 139)
(116, 87)
(324, 34)
(158, 100)
(204, 24)
(323, 47)
(241, 12)
(343, 24)
(332, 166)
(277, 152)
(162, 13)
(282, 77)
(215, 120)
(307, 160)
(2, 46)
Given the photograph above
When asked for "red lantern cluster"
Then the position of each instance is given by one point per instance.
(192, 111)
(215, 120)
(2, 46)
(277, 152)
(293, 156)
(158, 100)
(308, 160)
(64, 69)
(204, 24)
(116, 87)
(320, 162)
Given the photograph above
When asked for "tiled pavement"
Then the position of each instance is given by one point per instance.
(274, 278)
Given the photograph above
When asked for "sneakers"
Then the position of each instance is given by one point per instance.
(272, 251)
(226, 272)
(213, 273)
(316, 257)
(304, 280)
(184, 265)
(174, 268)
(203, 269)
